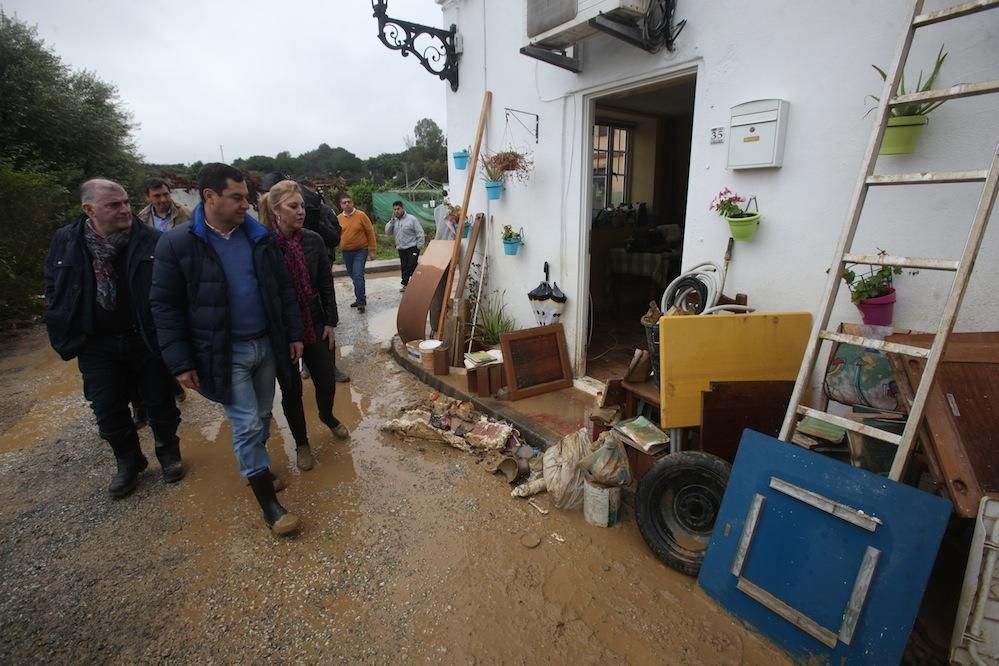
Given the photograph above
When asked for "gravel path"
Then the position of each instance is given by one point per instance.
(409, 552)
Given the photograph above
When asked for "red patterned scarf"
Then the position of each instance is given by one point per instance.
(294, 257)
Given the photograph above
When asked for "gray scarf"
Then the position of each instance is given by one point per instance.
(104, 251)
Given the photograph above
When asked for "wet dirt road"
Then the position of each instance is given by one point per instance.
(410, 552)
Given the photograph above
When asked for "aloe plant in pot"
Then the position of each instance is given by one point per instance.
(873, 292)
(906, 122)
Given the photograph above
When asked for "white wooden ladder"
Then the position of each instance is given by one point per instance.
(961, 267)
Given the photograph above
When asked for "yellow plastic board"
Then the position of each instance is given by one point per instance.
(696, 350)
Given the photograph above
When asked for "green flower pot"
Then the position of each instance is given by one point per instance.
(902, 134)
(744, 228)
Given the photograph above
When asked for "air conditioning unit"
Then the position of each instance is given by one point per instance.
(558, 24)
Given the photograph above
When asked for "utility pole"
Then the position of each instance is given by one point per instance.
(221, 154)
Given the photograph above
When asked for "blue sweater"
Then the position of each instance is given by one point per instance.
(246, 307)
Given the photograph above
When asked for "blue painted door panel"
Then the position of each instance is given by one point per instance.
(809, 559)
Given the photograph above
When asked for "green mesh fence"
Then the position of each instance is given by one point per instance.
(416, 204)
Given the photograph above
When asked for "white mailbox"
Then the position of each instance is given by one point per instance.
(756, 134)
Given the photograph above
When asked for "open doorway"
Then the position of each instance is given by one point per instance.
(640, 167)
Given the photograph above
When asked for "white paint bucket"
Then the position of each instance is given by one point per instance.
(601, 504)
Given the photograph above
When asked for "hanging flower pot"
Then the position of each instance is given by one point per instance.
(512, 240)
(510, 247)
(872, 291)
(878, 311)
(742, 223)
(902, 134)
(744, 228)
(461, 158)
(494, 189)
(465, 229)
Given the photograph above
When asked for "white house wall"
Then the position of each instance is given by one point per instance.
(817, 56)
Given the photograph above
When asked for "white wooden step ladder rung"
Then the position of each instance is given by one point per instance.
(929, 177)
(912, 263)
(954, 92)
(957, 11)
(870, 431)
(871, 343)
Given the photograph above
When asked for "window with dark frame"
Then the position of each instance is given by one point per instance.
(611, 164)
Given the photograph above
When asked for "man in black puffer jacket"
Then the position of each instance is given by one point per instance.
(97, 281)
(228, 321)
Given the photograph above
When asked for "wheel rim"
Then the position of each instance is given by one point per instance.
(688, 507)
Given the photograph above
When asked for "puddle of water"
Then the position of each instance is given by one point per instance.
(382, 325)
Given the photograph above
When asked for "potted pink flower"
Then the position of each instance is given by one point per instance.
(742, 223)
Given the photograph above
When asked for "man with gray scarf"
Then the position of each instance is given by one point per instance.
(97, 280)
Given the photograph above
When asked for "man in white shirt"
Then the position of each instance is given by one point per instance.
(161, 211)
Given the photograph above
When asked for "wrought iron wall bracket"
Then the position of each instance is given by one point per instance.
(437, 51)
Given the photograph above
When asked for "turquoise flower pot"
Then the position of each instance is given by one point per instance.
(460, 160)
(494, 189)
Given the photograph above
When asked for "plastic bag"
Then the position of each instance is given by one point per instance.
(608, 465)
(561, 470)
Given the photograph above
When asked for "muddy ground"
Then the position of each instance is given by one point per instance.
(410, 551)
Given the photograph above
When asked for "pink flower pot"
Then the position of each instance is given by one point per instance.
(878, 311)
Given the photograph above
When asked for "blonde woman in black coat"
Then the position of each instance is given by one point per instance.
(283, 210)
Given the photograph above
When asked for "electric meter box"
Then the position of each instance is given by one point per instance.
(756, 134)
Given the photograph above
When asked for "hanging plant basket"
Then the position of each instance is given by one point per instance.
(461, 158)
(902, 134)
(878, 311)
(744, 228)
(494, 189)
(465, 229)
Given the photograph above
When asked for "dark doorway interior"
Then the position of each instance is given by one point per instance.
(640, 168)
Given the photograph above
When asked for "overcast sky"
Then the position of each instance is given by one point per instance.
(255, 77)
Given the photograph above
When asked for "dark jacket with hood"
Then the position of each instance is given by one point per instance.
(191, 309)
(70, 286)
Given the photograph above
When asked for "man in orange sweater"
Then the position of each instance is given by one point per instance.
(357, 244)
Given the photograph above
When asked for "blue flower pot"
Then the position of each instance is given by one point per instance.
(510, 247)
(465, 229)
(460, 160)
(494, 188)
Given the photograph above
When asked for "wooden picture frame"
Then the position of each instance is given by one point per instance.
(536, 361)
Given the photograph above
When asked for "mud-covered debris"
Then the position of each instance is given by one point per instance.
(452, 422)
(530, 540)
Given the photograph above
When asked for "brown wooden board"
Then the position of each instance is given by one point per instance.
(728, 408)
(536, 361)
(411, 321)
(961, 418)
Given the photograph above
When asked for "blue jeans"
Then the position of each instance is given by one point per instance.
(354, 261)
(249, 413)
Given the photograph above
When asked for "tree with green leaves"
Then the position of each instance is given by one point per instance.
(57, 128)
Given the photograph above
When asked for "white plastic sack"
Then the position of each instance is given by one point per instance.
(608, 464)
(561, 470)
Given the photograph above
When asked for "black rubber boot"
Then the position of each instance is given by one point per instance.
(280, 521)
(140, 416)
(168, 451)
(130, 460)
(170, 463)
